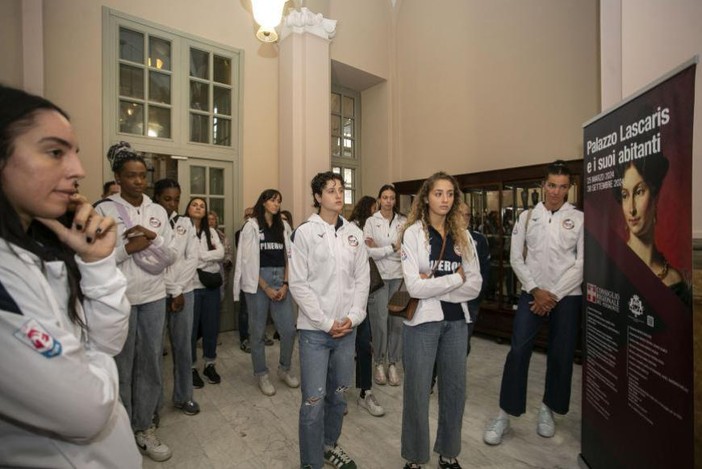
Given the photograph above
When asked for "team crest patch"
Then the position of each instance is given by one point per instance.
(353, 241)
(568, 224)
(154, 222)
(34, 336)
(180, 230)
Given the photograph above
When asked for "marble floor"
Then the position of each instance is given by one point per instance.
(239, 427)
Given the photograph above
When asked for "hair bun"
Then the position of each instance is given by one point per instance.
(118, 153)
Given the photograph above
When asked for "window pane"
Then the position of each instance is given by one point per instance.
(159, 122)
(348, 147)
(336, 146)
(335, 103)
(199, 96)
(199, 64)
(348, 127)
(197, 180)
(222, 70)
(336, 170)
(216, 181)
(217, 205)
(159, 53)
(131, 45)
(159, 88)
(335, 125)
(199, 128)
(131, 81)
(348, 177)
(131, 118)
(348, 197)
(222, 131)
(348, 106)
(222, 98)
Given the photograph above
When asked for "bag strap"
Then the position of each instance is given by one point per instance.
(526, 226)
(124, 215)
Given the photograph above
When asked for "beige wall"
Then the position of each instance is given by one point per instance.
(11, 43)
(485, 85)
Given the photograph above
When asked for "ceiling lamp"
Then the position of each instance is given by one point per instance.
(267, 14)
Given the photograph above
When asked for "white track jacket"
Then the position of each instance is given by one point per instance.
(328, 273)
(554, 250)
(179, 275)
(432, 291)
(248, 257)
(59, 392)
(142, 287)
(384, 235)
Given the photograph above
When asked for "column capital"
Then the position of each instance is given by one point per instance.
(304, 21)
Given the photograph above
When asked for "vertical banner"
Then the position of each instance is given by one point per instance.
(638, 371)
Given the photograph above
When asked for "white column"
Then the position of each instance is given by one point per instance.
(303, 93)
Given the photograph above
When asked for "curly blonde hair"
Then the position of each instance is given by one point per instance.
(455, 223)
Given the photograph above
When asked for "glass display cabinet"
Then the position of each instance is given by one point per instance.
(496, 198)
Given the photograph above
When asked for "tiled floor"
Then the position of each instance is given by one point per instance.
(241, 428)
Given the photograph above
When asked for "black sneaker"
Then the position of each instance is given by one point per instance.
(451, 463)
(268, 341)
(245, 347)
(188, 407)
(211, 374)
(338, 458)
(412, 465)
(197, 381)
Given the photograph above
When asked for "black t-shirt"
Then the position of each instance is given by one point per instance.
(272, 252)
(448, 265)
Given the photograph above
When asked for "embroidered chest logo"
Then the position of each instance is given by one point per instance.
(568, 224)
(33, 335)
(180, 230)
(353, 241)
(154, 222)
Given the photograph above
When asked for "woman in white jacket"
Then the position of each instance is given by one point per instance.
(144, 249)
(262, 274)
(441, 269)
(207, 297)
(63, 312)
(382, 235)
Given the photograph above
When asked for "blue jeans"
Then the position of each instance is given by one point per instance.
(243, 318)
(206, 319)
(364, 356)
(281, 311)
(387, 330)
(180, 327)
(563, 321)
(443, 342)
(326, 369)
(139, 363)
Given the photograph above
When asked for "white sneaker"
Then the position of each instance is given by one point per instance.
(546, 427)
(370, 403)
(495, 429)
(393, 375)
(379, 375)
(264, 384)
(288, 379)
(150, 445)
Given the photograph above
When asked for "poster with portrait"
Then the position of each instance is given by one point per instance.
(638, 368)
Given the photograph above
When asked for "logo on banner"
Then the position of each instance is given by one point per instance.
(603, 297)
(33, 335)
(636, 306)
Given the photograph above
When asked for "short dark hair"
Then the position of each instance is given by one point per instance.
(320, 181)
(163, 184)
(107, 185)
(558, 168)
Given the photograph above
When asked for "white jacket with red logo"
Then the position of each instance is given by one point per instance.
(59, 392)
(328, 273)
(142, 287)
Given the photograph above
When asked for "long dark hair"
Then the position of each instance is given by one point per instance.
(390, 187)
(277, 229)
(204, 226)
(363, 210)
(18, 113)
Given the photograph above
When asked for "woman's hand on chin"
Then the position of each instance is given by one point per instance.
(91, 236)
